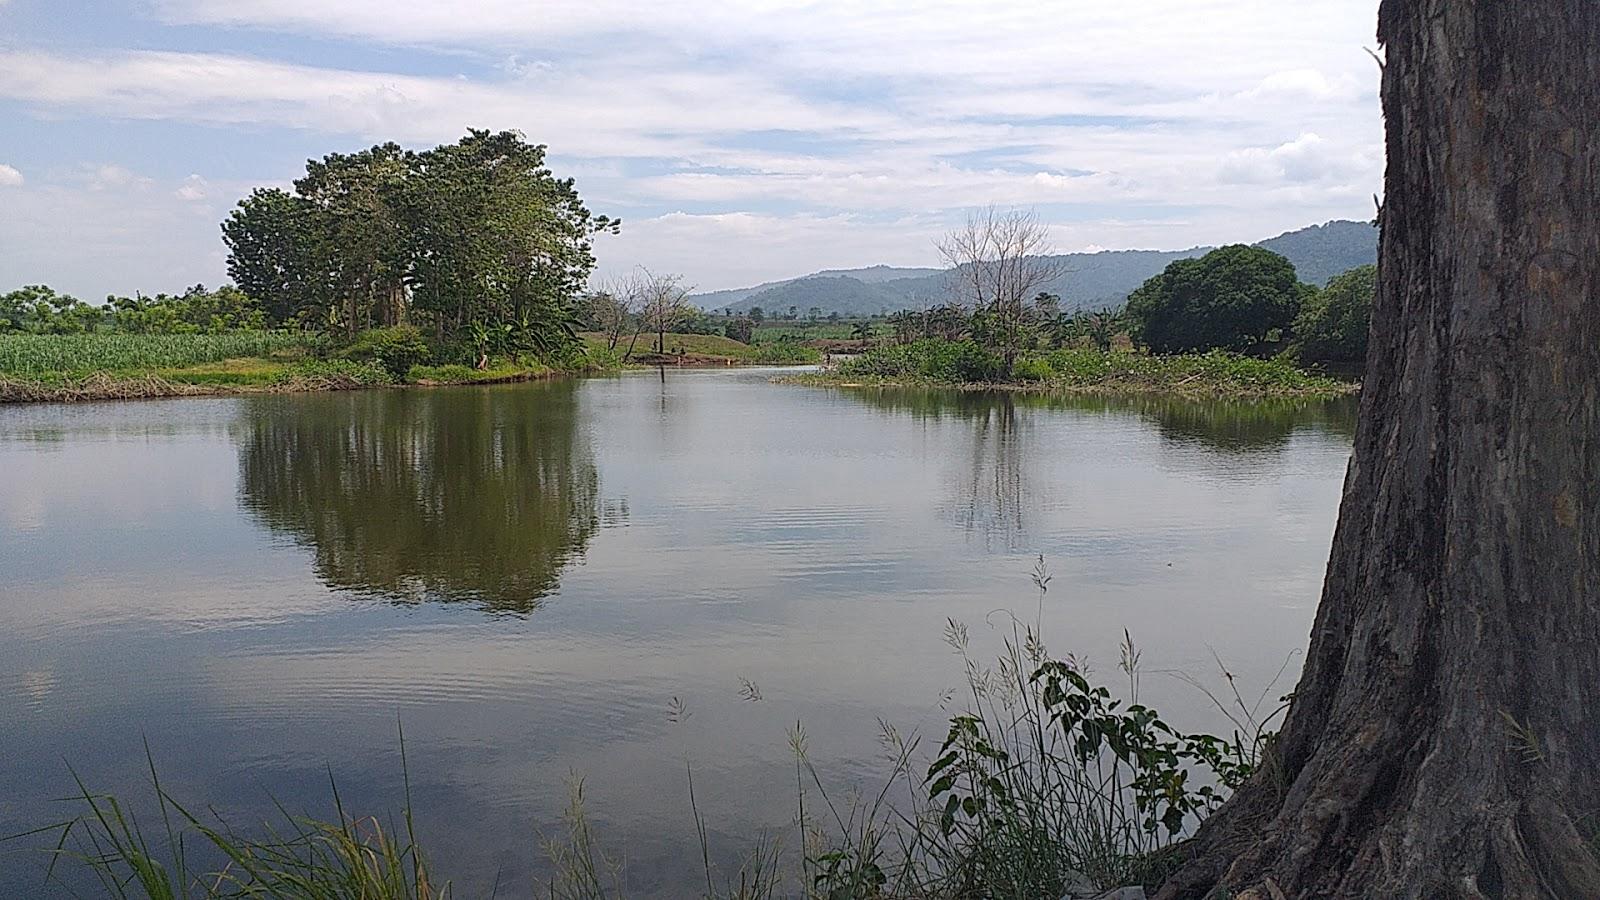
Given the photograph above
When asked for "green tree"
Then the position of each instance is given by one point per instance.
(757, 315)
(476, 240)
(268, 236)
(1332, 325)
(1232, 298)
(493, 237)
(39, 309)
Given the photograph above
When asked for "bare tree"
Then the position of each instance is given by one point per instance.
(609, 313)
(1444, 740)
(1000, 260)
(662, 301)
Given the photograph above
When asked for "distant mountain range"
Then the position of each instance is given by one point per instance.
(1089, 280)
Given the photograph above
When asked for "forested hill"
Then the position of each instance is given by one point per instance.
(1318, 252)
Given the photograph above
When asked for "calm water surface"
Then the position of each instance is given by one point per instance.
(532, 577)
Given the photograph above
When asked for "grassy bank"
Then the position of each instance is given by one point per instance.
(680, 349)
(963, 364)
(65, 368)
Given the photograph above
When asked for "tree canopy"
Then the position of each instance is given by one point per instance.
(470, 239)
(40, 309)
(1232, 299)
(1332, 324)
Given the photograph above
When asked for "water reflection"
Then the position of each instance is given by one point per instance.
(1226, 426)
(998, 482)
(469, 495)
(994, 493)
(1233, 426)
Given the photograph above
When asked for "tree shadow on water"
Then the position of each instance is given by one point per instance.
(476, 495)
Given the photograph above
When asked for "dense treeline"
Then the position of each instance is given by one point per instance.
(1237, 301)
(475, 241)
(39, 309)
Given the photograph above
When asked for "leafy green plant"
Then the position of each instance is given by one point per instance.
(1032, 368)
(395, 349)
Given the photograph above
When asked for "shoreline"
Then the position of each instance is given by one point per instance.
(103, 387)
(1201, 391)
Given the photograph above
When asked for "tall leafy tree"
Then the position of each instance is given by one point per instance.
(492, 236)
(356, 240)
(269, 239)
(1231, 299)
(1332, 325)
(476, 239)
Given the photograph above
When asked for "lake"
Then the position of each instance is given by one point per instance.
(593, 578)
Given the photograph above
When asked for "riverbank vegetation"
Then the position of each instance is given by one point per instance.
(1234, 322)
(1044, 784)
(465, 263)
(965, 363)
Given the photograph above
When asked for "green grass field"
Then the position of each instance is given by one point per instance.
(36, 355)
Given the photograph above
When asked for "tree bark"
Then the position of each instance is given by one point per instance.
(1444, 740)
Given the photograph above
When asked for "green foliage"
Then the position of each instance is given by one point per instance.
(196, 310)
(782, 353)
(740, 329)
(965, 363)
(1230, 299)
(475, 240)
(335, 373)
(1031, 367)
(1097, 328)
(1333, 323)
(27, 354)
(38, 309)
(395, 349)
(271, 255)
(957, 362)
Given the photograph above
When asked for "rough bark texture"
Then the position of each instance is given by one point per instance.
(1444, 741)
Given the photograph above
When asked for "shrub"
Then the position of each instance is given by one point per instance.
(396, 349)
(1032, 368)
(335, 373)
(932, 358)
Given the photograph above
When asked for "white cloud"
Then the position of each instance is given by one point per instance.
(193, 189)
(849, 132)
(111, 176)
(1306, 160)
(137, 239)
(9, 176)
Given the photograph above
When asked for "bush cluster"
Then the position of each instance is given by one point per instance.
(395, 349)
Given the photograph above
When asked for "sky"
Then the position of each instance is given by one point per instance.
(738, 142)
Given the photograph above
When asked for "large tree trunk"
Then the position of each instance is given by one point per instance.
(1444, 741)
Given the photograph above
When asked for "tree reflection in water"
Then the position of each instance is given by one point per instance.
(477, 495)
(996, 488)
